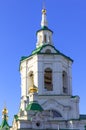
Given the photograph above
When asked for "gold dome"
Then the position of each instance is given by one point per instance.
(4, 111)
(33, 89)
(44, 11)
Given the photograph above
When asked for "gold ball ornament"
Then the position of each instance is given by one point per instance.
(33, 89)
(44, 11)
(4, 111)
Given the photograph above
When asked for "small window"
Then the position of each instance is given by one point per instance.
(48, 51)
(31, 79)
(49, 38)
(45, 38)
(64, 77)
(40, 38)
(48, 79)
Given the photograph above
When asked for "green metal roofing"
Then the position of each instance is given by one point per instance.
(44, 28)
(38, 51)
(34, 106)
(4, 125)
(83, 117)
(16, 117)
(24, 57)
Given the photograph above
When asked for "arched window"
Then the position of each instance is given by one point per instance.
(40, 38)
(48, 51)
(49, 38)
(48, 79)
(65, 86)
(31, 79)
(45, 38)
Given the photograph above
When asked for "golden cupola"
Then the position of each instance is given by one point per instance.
(5, 111)
(33, 89)
(4, 124)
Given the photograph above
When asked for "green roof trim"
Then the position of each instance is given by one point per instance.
(34, 106)
(44, 28)
(16, 117)
(74, 96)
(4, 125)
(82, 117)
(24, 57)
(38, 51)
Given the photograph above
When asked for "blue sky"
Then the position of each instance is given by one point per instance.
(19, 21)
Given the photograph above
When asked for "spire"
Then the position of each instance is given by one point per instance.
(44, 22)
(5, 118)
(44, 35)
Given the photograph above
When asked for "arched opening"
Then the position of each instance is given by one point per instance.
(65, 86)
(40, 39)
(31, 79)
(48, 79)
(49, 38)
(45, 38)
(48, 51)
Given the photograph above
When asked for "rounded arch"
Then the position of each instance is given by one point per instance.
(65, 82)
(45, 38)
(30, 79)
(48, 51)
(40, 38)
(48, 79)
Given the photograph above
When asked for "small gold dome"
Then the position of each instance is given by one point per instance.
(33, 89)
(4, 111)
(44, 11)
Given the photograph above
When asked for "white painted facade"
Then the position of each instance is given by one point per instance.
(60, 107)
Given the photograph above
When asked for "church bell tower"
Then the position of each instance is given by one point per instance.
(46, 83)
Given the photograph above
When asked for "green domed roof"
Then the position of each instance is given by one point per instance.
(34, 106)
(44, 28)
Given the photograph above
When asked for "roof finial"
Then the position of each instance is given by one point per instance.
(5, 118)
(44, 20)
(4, 113)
